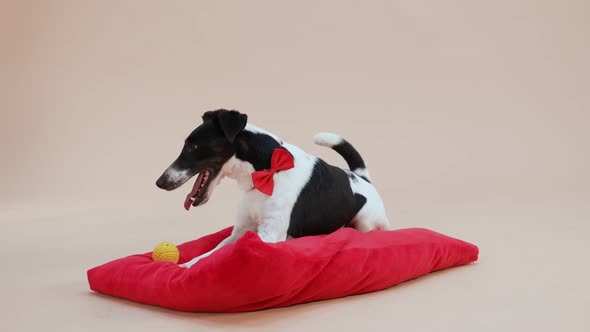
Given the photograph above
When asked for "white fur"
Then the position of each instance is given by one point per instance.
(372, 215)
(327, 139)
(177, 176)
(362, 171)
(269, 216)
(253, 129)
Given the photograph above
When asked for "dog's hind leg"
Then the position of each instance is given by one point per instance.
(367, 225)
(371, 217)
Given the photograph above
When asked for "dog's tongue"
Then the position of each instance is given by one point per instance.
(188, 202)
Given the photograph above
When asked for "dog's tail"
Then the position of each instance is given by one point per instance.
(346, 150)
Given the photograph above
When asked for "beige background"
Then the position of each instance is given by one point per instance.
(473, 117)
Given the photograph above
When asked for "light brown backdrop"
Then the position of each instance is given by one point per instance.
(472, 116)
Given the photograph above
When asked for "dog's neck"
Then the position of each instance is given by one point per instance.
(239, 170)
(250, 128)
(254, 148)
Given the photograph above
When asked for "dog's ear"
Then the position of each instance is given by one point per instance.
(230, 122)
(209, 116)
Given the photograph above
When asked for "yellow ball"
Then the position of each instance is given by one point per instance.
(166, 251)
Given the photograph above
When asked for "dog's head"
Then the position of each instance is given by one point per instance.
(205, 151)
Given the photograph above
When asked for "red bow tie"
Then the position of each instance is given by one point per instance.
(281, 161)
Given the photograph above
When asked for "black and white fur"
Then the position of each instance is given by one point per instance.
(312, 198)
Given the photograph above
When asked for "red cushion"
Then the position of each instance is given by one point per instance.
(253, 275)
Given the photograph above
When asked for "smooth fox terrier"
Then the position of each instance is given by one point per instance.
(287, 193)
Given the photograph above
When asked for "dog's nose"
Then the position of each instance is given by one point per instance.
(161, 182)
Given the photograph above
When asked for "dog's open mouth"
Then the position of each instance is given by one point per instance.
(198, 194)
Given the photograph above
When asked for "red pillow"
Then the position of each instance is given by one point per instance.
(253, 275)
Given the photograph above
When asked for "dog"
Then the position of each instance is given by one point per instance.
(287, 193)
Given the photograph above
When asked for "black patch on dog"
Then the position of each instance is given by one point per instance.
(325, 204)
(360, 201)
(256, 148)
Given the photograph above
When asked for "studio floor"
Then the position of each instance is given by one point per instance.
(531, 275)
(473, 118)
